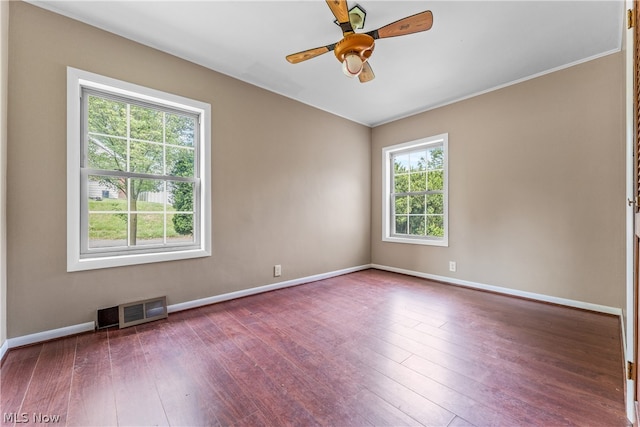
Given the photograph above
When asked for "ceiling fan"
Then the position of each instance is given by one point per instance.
(355, 49)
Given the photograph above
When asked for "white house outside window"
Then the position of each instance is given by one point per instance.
(138, 175)
(415, 192)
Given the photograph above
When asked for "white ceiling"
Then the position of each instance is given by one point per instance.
(473, 46)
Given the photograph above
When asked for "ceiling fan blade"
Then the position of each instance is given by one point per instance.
(366, 75)
(412, 24)
(294, 58)
(341, 12)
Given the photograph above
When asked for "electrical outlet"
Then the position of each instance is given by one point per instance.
(452, 266)
(277, 270)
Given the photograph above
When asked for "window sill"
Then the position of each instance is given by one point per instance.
(417, 241)
(124, 260)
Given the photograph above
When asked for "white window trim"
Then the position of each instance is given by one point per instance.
(76, 79)
(387, 152)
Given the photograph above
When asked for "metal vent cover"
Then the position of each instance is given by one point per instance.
(135, 313)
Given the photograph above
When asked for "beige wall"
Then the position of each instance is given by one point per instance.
(291, 184)
(537, 186)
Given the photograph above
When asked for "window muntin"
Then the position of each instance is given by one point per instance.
(138, 174)
(415, 192)
(417, 196)
(142, 159)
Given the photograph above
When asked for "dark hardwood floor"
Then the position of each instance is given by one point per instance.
(368, 348)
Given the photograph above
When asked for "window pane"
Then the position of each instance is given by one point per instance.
(435, 225)
(106, 117)
(401, 183)
(417, 160)
(107, 153)
(402, 205)
(146, 158)
(436, 180)
(147, 197)
(180, 195)
(149, 229)
(181, 199)
(435, 158)
(401, 163)
(107, 230)
(180, 130)
(418, 181)
(435, 204)
(146, 124)
(416, 204)
(401, 224)
(180, 228)
(150, 191)
(417, 225)
(106, 187)
(180, 161)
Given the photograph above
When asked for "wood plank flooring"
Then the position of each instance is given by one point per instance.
(368, 348)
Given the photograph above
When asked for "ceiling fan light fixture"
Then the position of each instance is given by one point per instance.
(353, 51)
(352, 64)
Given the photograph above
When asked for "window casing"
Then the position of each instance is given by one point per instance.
(415, 192)
(138, 174)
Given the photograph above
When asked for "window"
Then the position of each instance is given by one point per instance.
(415, 196)
(138, 174)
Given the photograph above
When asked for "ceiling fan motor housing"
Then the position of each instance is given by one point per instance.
(360, 44)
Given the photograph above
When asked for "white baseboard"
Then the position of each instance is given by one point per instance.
(90, 326)
(51, 334)
(3, 349)
(260, 289)
(507, 291)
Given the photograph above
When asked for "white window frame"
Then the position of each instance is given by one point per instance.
(76, 261)
(387, 176)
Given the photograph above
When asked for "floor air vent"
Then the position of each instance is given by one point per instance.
(135, 313)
